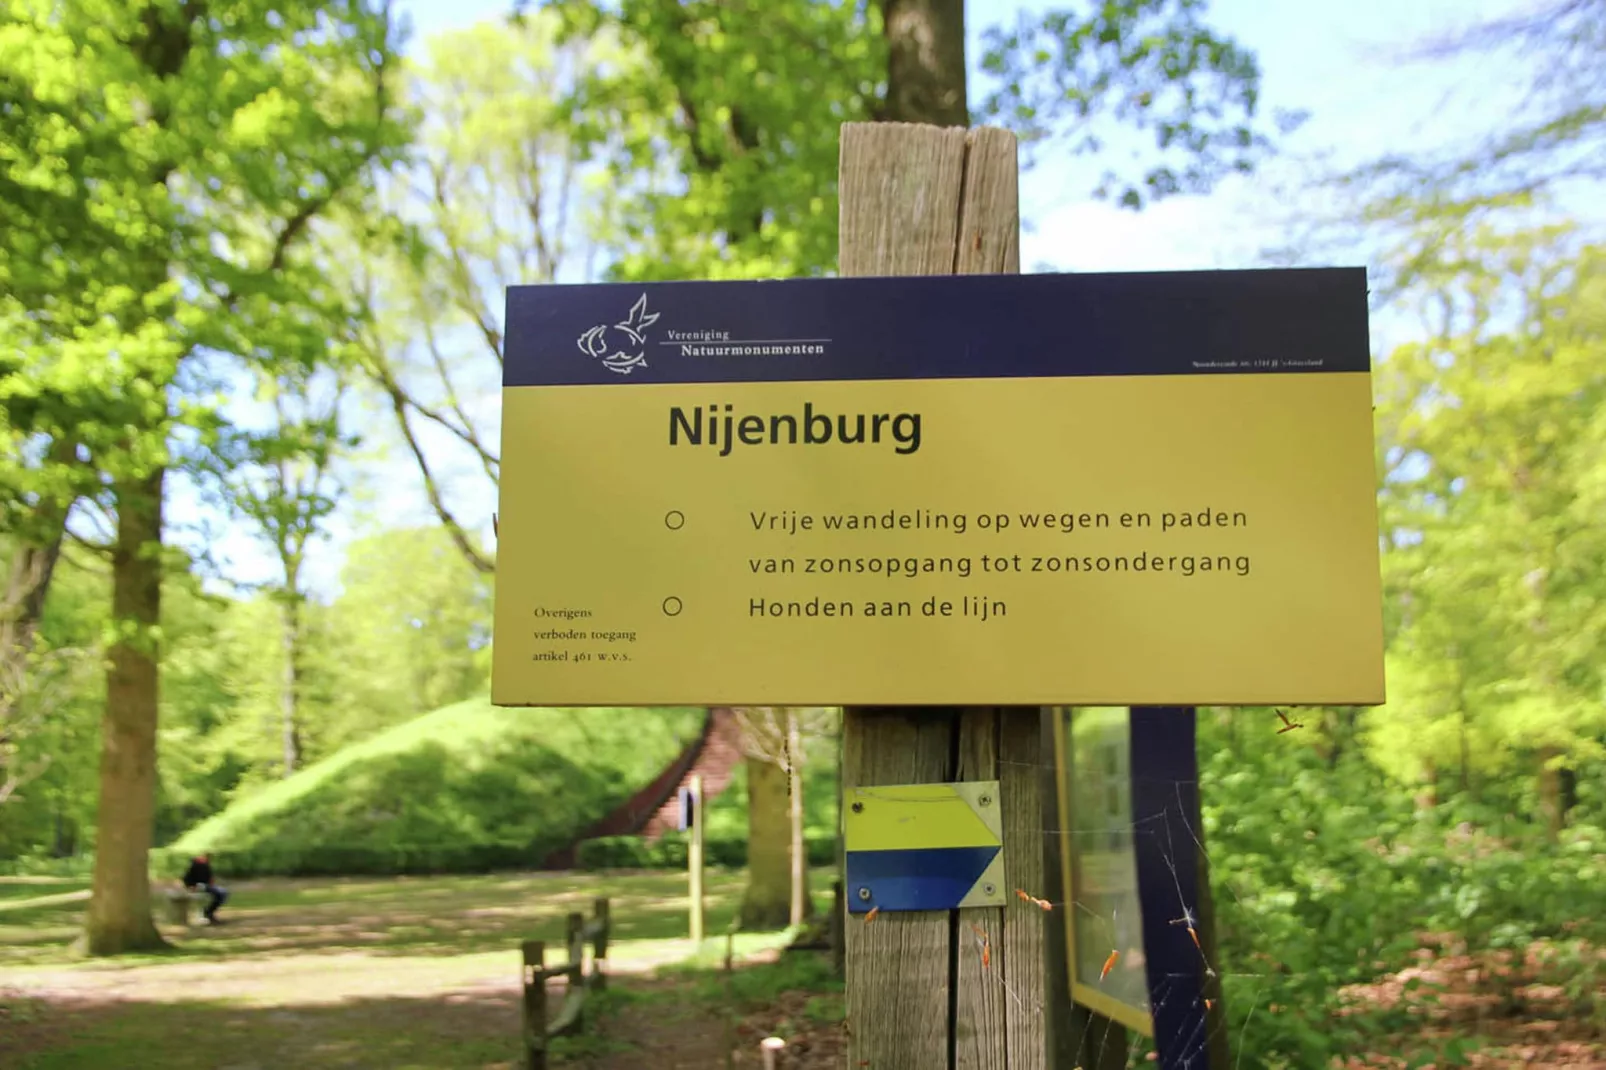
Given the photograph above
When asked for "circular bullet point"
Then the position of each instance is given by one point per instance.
(672, 606)
(674, 520)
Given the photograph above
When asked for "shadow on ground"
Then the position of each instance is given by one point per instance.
(681, 1020)
(78, 1033)
(404, 916)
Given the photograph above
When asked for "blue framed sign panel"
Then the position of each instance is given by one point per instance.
(1131, 859)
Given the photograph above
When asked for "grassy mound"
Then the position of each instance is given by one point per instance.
(467, 788)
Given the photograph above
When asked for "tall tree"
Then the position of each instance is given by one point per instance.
(777, 742)
(504, 186)
(169, 158)
(282, 478)
(926, 69)
(674, 139)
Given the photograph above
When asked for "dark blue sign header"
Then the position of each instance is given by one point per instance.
(939, 327)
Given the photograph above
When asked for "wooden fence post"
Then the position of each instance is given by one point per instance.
(599, 945)
(926, 200)
(574, 941)
(534, 1005)
(839, 919)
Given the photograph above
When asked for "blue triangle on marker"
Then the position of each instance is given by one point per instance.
(928, 878)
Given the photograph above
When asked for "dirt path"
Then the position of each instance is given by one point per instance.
(667, 1024)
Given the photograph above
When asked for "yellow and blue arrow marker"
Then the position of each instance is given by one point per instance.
(924, 847)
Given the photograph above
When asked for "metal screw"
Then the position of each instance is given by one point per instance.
(864, 893)
(988, 889)
(858, 808)
(985, 800)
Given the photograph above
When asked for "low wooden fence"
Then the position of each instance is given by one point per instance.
(539, 1028)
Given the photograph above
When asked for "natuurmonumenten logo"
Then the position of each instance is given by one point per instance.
(621, 347)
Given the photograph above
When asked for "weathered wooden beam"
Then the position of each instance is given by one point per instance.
(921, 991)
(599, 931)
(534, 1005)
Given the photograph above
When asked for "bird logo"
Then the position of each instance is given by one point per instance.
(620, 346)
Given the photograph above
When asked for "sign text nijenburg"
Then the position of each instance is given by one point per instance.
(1144, 489)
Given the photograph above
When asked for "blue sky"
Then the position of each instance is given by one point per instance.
(1337, 61)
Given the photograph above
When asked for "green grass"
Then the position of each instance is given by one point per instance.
(16, 889)
(420, 918)
(402, 972)
(469, 787)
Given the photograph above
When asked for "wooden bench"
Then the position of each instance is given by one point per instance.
(179, 904)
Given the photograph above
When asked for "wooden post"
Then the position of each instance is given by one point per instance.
(574, 940)
(694, 860)
(534, 1005)
(926, 200)
(730, 999)
(599, 946)
(839, 918)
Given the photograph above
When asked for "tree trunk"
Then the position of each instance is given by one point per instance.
(1427, 797)
(32, 569)
(119, 917)
(292, 680)
(1550, 801)
(925, 62)
(802, 904)
(839, 906)
(766, 903)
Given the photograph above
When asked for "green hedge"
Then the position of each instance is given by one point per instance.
(669, 852)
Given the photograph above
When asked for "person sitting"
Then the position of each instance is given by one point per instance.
(199, 876)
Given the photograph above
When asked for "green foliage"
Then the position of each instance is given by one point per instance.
(160, 172)
(410, 632)
(503, 190)
(726, 138)
(381, 654)
(1151, 65)
(470, 786)
(1494, 450)
(51, 738)
(1327, 873)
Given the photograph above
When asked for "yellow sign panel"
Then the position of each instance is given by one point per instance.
(1038, 490)
(919, 816)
